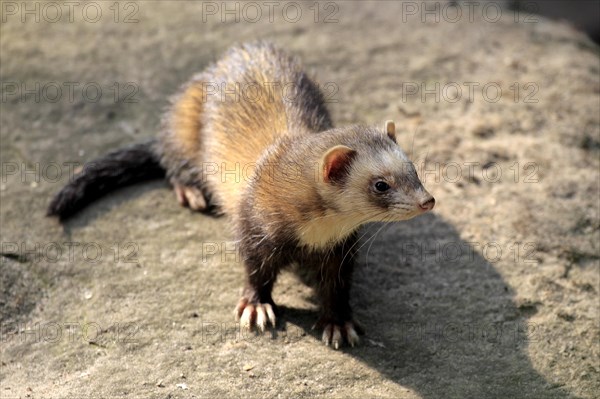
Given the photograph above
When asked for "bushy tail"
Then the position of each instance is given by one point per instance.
(116, 169)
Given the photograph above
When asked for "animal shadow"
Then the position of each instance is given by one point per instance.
(439, 318)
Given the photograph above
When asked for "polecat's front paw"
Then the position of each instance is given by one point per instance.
(252, 314)
(335, 334)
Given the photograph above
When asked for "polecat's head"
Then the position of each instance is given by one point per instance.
(373, 178)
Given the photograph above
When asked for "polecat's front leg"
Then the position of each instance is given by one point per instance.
(336, 314)
(256, 307)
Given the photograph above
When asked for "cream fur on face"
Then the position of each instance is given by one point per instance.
(363, 163)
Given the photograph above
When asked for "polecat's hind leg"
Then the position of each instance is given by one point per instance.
(180, 145)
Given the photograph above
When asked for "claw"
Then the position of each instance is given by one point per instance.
(196, 199)
(180, 195)
(270, 314)
(335, 335)
(261, 318)
(257, 315)
(351, 336)
(327, 334)
(246, 319)
(239, 309)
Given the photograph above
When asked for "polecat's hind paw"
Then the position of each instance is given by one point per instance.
(254, 314)
(335, 334)
(191, 197)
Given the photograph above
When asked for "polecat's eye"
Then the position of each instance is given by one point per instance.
(382, 186)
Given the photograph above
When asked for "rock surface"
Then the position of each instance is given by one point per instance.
(494, 295)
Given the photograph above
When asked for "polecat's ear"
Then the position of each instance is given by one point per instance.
(336, 163)
(390, 130)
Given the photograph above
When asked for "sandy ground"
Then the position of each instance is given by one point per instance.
(494, 295)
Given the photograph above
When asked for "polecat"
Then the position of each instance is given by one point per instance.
(251, 137)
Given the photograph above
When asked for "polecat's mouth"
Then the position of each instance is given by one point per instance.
(420, 211)
(417, 210)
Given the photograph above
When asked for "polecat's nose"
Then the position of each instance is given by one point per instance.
(427, 204)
